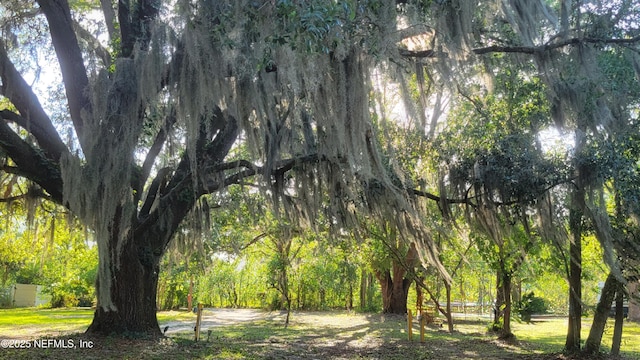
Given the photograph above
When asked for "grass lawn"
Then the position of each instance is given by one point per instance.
(311, 335)
(549, 334)
(29, 323)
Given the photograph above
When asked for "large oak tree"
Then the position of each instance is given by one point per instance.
(157, 108)
(163, 102)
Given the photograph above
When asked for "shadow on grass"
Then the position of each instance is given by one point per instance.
(370, 336)
(309, 336)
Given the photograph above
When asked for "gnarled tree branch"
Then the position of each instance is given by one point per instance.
(32, 116)
(74, 73)
(99, 50)
(109, 17)
(31, 163)
(430, 53)
(155, 149)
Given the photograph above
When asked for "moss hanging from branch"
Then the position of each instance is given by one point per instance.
(579, 53)
(98, 187)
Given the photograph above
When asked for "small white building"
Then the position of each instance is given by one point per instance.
(29, 295)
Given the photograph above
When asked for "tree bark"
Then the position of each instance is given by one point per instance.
(399, 297)
(127, 291)
(592, 345)
(497, 307)
(132, 290)
(363, 289)
(395, 286)
(395, 291)
(386, 288)
(506, 289)
(349, 304)
(502, 310)
(617, 328)
(447, 313)
(127, 282)
(572, 343)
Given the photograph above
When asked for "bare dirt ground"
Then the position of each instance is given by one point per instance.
(212, 318)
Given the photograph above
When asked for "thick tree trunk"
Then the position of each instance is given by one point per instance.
(502, 311)
(617, 328)
(447, 313)
(395, 286)
(349, 304)
(127, 281)
(132, 291)
(130, 287)
(498, 305)
(506, 288)
(572, 343)
(386, 289)
(363, 289)
(592, 345)
(401, 285)
(395, 291)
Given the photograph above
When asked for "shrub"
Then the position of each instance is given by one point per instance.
(529, 305)
(71, 293)
(5, 297)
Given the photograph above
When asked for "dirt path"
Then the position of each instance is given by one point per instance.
(219, 317)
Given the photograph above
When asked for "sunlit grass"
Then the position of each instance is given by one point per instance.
(34, 322)
(34, 316)
(38, 322)
(630, 337)
(549, 334)
(174, 315)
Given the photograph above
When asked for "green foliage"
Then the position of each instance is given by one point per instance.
(315, 26)
(530, 305)
(52, 251)
(247, 261)
(70, 279)
(496, 326)
(173, 284)
(71, 293)
(491, 140)
(29, 274)
(6, 298)
(84, 5)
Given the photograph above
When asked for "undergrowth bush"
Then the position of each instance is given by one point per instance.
(529, 305)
